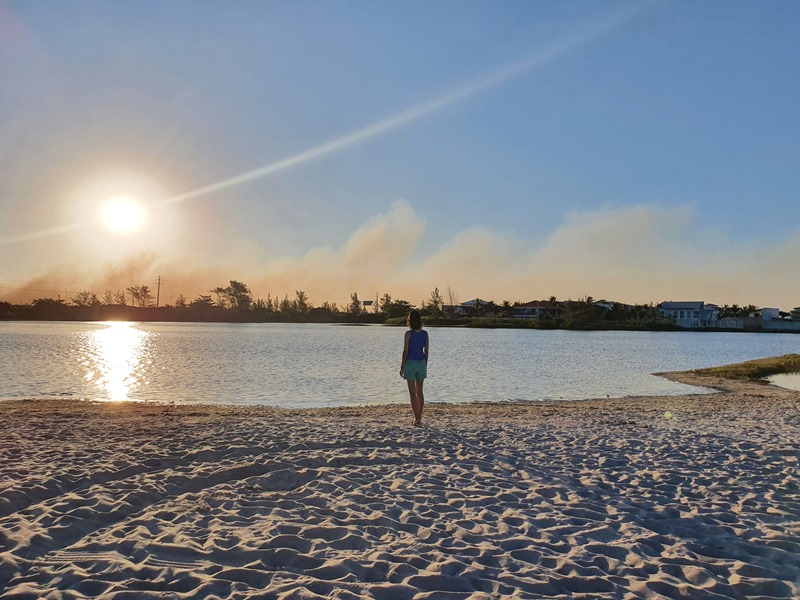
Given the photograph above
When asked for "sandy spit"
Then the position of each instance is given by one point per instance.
(676, 497)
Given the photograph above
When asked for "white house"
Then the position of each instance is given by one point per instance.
(770, 319)
(470, 307)
(767, 314)
(690, 315)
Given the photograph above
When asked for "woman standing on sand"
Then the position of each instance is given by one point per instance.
(414, 367)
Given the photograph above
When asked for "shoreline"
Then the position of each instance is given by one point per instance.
(714, 385)
(466, 323)
(664, 496)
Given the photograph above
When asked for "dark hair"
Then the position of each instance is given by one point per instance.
(415, 319)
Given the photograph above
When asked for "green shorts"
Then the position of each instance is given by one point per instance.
(415, 369)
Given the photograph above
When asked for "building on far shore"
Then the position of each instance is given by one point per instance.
(539, 309)
(766, 314)
(770, 319)
(470, 308)
(690, 315)
(730, 323)
(699, 315)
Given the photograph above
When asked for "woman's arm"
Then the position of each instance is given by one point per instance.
(405, 352)
(427, 346)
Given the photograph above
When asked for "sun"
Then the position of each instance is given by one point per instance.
(123, 214)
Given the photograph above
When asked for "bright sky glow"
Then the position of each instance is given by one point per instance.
(513, 150)
(123, 214)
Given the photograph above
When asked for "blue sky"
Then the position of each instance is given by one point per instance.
(648, 152)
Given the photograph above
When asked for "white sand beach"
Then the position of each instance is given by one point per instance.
(669, 497)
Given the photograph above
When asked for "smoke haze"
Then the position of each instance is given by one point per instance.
(637, 254)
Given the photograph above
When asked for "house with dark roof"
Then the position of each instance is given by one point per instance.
(538, 309)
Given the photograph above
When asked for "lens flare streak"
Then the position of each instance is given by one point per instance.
(485, 82)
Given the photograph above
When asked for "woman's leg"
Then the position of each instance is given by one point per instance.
(412, 393)
(420, 401)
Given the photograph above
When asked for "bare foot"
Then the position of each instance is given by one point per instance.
(417, 423)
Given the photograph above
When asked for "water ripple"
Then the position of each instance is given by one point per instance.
(306, 365)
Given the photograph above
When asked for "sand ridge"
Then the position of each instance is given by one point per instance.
(687, 497)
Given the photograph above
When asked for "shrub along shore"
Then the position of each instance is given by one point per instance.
(60, 311)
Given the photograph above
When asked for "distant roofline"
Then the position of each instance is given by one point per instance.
(538, 304)
(684, 304)
(474, 301)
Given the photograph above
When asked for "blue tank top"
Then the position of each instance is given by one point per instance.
(416, 345)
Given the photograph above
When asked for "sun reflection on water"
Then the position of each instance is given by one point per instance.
(116, 359)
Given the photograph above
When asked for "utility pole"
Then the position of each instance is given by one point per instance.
(158, 291)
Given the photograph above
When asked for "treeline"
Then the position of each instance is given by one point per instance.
(236, 303)
(232, 303)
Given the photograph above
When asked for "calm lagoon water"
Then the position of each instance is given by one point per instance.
(310, 365)
(787, 380)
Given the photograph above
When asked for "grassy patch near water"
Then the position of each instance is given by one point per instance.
(755, 370)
